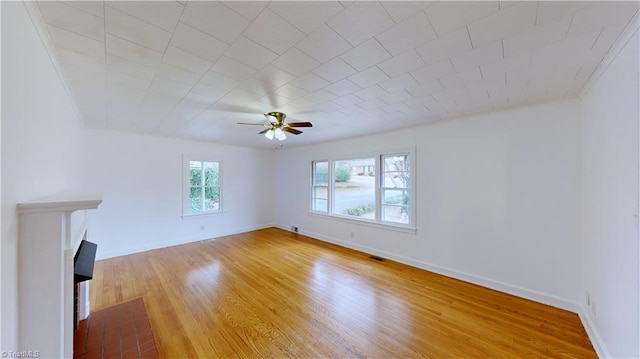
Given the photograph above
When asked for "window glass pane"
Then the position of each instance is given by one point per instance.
(397, 214)
(354, 188)
(319, 204)
(320, 192)
(392, 196)
(211, 198)
(211, 173)
(195, 173)
(321, 173)
(396, 171)
(195, 199)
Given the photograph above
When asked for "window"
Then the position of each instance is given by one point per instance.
(319, 191)
(375, 189)
(202, 187)
(354, 188)
(395, 187)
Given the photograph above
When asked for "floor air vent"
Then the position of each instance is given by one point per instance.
(376, 258)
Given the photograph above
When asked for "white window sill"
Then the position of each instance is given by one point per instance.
(205, 214)
(386, 226)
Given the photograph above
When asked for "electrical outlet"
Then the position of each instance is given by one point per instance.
(353, 234)
(202, 227)
(587, 299)
(294, 229)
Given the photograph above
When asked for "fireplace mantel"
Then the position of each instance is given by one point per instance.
(47, 237)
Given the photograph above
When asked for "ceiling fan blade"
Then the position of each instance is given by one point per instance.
(253, 124)
(291, 130)
(300, 124)
(264, 131)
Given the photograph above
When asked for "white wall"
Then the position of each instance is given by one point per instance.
(41, 141)
(498, 200)
(610, 204)
(141, 179)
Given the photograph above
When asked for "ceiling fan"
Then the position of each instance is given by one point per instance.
(276, 128)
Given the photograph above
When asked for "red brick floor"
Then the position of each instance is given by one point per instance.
(120, 331)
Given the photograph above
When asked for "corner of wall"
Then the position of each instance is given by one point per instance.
(592, 332)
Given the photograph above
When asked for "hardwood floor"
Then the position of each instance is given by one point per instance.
(271, 293)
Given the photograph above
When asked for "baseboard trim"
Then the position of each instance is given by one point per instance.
(170, 243)
(517, 291)
(592, 332)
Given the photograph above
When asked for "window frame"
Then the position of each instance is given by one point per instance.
(186, 185)
(409, 227)
(314, 186)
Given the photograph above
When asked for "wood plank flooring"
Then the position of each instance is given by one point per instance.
(271, 293)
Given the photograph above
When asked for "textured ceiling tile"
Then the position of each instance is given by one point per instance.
(396, 97)
(220, 81)
(323, 44)
(541, 35)
(197, 42)
(250, 53)
(551, 10)
(306, 15)
(347, 100)
(360, 21)
(342, 87)
(310, 82)
(129, 28)
(402, 64)
(295, 62)
(448, 16)
(447, 45)
(516, 18)
(177, 74)
(274, 76)
(407, 34)
(321, 96)
(248, 9)
(186, 61)
(365, 55)
(215, 19)
(433, 71)
(291, 92)
(460, 79)
(131, 51)
(400, 10)
(163, 14)
(93, 7)
(519, 62)
(210, 92)
(398, 83)
(370, 92)
(125, 66)
(478, 56)
(118, 79)
(169, 87)
(369, 77)
(71, 41)
(334, 70)
(273, 32)
(233, 68)
(600, 14)
(72, 19)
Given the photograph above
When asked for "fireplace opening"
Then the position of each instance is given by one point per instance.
(83, 263)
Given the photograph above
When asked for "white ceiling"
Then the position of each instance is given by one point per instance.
(194, 69)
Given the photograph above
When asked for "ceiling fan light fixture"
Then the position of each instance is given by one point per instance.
(269, 134)
(280, 134)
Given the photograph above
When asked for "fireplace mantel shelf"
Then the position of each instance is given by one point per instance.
(49, 229)
(62, 202)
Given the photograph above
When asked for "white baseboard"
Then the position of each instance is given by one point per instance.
(518, 291)
(592, 332)
(174, 242)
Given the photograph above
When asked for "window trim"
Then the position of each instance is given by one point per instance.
(186, 185)
(377, 222)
